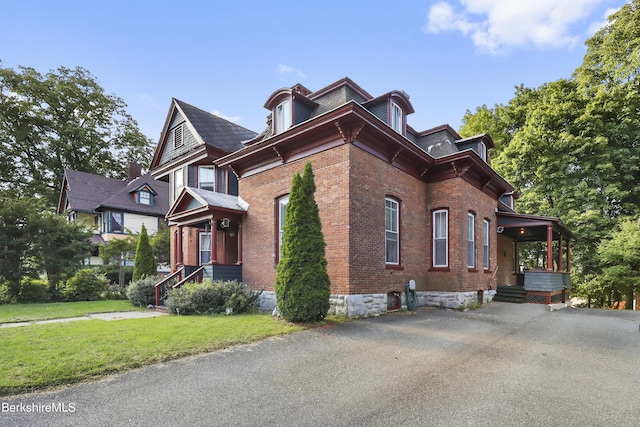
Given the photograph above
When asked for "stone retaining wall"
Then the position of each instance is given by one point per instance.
(376, 304)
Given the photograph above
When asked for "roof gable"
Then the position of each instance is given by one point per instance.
(219, 135)
(86, 192)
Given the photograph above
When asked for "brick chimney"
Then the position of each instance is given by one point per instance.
(134, 171)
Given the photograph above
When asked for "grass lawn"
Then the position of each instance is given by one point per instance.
(60, 310)
(39, 356)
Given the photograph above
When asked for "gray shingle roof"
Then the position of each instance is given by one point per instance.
(216, 131)
(219, 200)
(90, 193)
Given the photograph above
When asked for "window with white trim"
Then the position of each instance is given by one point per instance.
(485, 245)
(471, 242)
(144, 197)
(282, 120)
(205, 248)
(392, 231)
(282, 213)
(482, 151)
(206, 178)
(440, 238)
(396, 117)
(178, 183)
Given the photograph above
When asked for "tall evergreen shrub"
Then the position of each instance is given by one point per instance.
(302, 284)
(145, 263)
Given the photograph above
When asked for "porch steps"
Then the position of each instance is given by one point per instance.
(513, 294)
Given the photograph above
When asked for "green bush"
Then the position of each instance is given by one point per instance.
(143, 292)
(211, 298)
(112, 273)
(33, 290)
(86, 285)
(5, 295)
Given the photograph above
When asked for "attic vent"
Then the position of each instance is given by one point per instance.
(178, 141)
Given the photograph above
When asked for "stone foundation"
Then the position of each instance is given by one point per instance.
(375, 304)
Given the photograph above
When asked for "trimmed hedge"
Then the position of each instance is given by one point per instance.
(209, 297)
(143, 292)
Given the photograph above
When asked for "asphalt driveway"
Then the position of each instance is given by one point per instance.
(503, 365)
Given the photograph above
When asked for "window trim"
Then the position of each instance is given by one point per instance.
(396, 121)
(486, 245)
(482, 150)
(200, 250)
(282, 117)
(471, 241)
(435, 213)
(148, 197)
(280, 203)
(213, 172)
(396, 232)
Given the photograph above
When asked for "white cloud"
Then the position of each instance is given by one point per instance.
(596, 26)
(286, 69)
(232, 119)
(496, 26)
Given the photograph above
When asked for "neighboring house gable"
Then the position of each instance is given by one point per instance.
(112, 207)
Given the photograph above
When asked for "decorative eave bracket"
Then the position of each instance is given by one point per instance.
(349, 135)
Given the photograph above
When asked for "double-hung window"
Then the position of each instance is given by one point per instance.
(282, 213)
(396, 117)
(282, 120)
(441, 238)
(471, 242)
(392, 231)
(206, 178)
(485, 245)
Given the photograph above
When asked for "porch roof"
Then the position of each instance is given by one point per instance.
(531, 228)
(194, 202)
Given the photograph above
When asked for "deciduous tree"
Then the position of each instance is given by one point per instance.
(62, 119)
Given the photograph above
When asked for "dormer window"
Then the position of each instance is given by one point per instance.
(396, 119)
(144, 198)
(482, 150)
(282, 115)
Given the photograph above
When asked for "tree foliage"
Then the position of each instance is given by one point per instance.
(572, 147)
(117, 252)
(62, 119)
(302, 284)
(34, 241)
(144, 263)
(620, 255)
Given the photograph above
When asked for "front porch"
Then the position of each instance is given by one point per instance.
(542, 284)
(206, 239)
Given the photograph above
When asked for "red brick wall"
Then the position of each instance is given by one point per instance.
(351, 190)
(260, 191)
(460, 198)
(372, 180)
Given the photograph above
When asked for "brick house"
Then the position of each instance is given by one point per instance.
(395, 204)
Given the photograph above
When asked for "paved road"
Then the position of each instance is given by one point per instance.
(503, 365)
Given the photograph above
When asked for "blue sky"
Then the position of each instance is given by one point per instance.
(227, 57)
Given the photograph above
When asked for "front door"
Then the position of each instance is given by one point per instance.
(205, 248)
